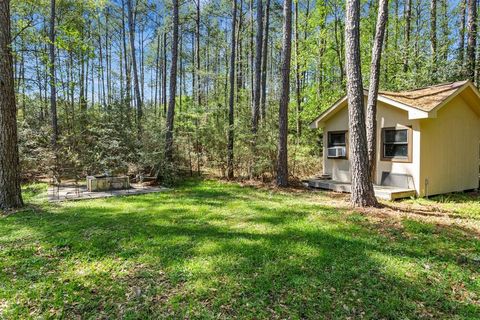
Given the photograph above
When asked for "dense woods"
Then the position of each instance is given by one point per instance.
(163, 88)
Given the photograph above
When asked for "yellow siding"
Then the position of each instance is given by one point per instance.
(387, 116)
(450, 149)
(338, 168)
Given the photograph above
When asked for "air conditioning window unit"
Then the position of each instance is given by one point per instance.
(337, 152)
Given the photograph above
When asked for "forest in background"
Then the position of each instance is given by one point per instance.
(112, 75)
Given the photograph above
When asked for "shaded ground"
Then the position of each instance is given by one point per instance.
(217, 250)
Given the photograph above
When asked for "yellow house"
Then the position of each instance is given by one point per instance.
(428, 142)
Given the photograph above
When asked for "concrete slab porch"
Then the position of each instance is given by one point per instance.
(73, 192)
(381, 192)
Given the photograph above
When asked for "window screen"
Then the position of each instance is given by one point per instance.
(395, 143)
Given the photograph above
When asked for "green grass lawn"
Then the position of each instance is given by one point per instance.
(216, 250)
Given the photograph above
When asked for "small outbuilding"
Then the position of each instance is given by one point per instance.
(428, 142)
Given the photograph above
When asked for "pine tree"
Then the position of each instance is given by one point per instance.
(282, 160)
(10, 192)
(362, 193)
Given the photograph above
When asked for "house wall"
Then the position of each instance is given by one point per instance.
(387, 116)
(450, 156)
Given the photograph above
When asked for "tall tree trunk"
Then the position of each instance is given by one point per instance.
(197, 52)
(231, 98)
(83, 75)
(138, 97)
(251, 55)
(142, 63)
(240, 79)
(157, 72)
(173, 86)
(298, 106)
(445, 49)
(408, 21)
(53, 90)
(258, 69)
(338, 49)
(10, 192)
(362, 193)
(472, 39)
(461, 43)
(107, 59)
(371, 120)
(433, 37)
(282, 160)
(164, 78)
(101, 68)
(265, 61)
(127, 68)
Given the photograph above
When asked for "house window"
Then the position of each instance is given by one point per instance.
(337, 139)
(396, 144)
(337, 144)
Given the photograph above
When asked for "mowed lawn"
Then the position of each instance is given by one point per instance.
(211, 249)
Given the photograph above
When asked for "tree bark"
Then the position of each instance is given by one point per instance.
(461, 44)
(164, 77)
(197, 52)
(10, 192)
(258, 68)
(282, 160)
(472, 39)
(362, 193)
(433, 36)
(298, 98)
(53, 90)
(138, 97)
(231, 98)
(157, 72)
(173, 86)
(371, 120)
(264, 61)
(408, 21)
(127, 68)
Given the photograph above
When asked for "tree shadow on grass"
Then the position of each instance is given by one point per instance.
(154, 259)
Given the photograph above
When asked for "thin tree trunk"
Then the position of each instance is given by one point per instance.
(231, 99)
(251, 55)
(371, 120)
(362, 193)
(197, 52)
(173, 87)
(472, 39)
(240, 79)
(10, 192)
(107, 59)
(258, 69)
(282, 160)
(338, 49)
(461, 44)
(265, 61)
(297, 76)
(408, 21)
(127, 69)
(164, 84)
(142, 63)
(433, 36)
(53, 92)
(157, 72)
(102, 71)
(138, 97)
